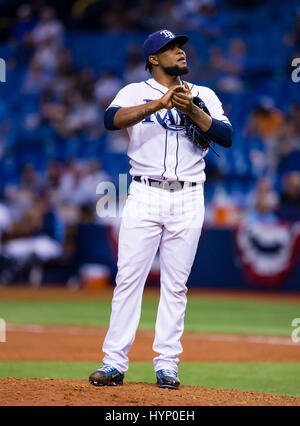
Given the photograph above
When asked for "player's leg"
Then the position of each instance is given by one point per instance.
(177, 252)
(139, 239)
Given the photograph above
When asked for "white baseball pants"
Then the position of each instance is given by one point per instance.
(154, 218)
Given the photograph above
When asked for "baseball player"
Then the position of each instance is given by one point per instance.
(164, 209)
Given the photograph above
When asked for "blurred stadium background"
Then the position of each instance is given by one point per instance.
(65, 61)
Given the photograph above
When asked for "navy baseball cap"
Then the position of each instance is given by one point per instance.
(159, 39)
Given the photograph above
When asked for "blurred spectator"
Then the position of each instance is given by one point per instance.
(135, 69)
(51, 223)
(263, 125)
(86, 214)
(5, 220)
(78, 182)
(86, 82)
(77, 111)
(30, 179)
(111, 20)
(46, 56)
(287, 141)
(234, 61)
(262, 213)
(293, 38)
(290, 195)
(262, 204)
(82, 115)
(20, 32)
(69, 180)
(53, 110)
(201, 16)
(289, 206)
(48, 30)
(65, 73)
(5, 126)
(89, 15)
(289, 132)
(35, 239)
(20, 196)
(118, 141)
(107, 87)
(230, 66)
(36, 79)
(236, 56)
(47, 39)
(263, 190)
(52, 175)
(24, 24)
(295, 121)
(199, 67)
(146, 15)
(164, 16)
(213, 66)
(85, 192)
(264, 120)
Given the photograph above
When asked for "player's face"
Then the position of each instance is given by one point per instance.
(172, 59)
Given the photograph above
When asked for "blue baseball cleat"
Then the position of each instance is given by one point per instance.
(106, 375)
(167, 379)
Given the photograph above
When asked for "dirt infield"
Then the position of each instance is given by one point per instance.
(52, 343)
(79, 392)
(44, 343)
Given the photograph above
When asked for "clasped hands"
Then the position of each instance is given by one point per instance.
(179, 97)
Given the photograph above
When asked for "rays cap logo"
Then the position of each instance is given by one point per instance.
(159, 39)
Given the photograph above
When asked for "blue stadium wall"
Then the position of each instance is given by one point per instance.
(216, 264)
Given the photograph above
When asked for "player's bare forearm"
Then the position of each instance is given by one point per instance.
(126, 117)
(200, 117)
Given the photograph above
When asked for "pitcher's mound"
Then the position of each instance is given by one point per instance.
(80, 392)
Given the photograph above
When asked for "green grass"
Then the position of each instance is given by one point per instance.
(276, 378)
(203, 314)
(246, 317)
(53, 312)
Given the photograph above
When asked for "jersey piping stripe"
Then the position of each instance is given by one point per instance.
(153, 87)
(176, 156)
(166, 144)
(182, 83)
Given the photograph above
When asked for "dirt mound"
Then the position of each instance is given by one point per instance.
(79, 392)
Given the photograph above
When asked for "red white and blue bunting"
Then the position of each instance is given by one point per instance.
(268, 252)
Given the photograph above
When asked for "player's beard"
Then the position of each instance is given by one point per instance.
(176, 70)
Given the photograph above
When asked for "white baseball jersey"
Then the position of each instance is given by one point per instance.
(156, 218)
(159, 147)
